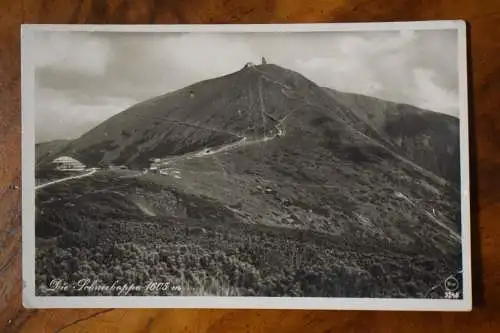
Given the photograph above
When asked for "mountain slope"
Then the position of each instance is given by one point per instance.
(428, 138)
(223, 110)
(210, 247)
(208, 113)
(47, 151)
(290, 165)
(325, 139)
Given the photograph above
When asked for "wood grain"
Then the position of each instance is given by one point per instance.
(484, 19)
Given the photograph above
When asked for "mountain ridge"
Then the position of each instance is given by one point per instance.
(256, 156)
(428, 138)
(293, 86)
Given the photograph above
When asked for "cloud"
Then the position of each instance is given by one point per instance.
(219, 55)
(74, 52)
(392, 66)
(62, 116)
(342, 73)
(89, 76)
(431, 95)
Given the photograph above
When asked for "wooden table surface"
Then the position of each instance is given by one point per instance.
(484, 19)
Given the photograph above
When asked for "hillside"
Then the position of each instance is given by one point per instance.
(194, 234)
(299, 195)
(428, 138)
(47, 151)
(223, 110)
(209, 113)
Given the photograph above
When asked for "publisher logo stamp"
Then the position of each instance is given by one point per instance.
(451, 286)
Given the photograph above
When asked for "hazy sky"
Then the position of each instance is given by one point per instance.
(83, 78)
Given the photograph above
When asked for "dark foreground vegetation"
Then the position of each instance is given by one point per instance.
(102, 235)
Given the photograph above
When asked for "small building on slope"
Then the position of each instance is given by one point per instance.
(66, 163)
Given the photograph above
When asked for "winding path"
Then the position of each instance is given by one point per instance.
(453, 233)
(144, 209)
(244, 141)
(90, 173)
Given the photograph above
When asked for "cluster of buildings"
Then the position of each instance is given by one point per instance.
(161, 167)
(67, 163)
(251, 64)
(154, 165)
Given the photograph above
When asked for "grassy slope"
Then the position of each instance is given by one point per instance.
(208, 113)
(325, 210)
(320, 216)
(45, 152)
(207, 248)
(428, 138)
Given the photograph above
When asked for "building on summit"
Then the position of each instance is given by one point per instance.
(249, 64)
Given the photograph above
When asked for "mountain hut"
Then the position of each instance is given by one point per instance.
(66, 163)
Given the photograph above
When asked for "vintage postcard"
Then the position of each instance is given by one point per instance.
(297, 166)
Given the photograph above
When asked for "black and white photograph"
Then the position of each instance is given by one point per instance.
(246, 166)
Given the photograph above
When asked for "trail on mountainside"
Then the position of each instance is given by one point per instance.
(90, 173)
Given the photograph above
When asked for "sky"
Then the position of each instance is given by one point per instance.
(83, 78)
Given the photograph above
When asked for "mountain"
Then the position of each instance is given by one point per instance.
(226, 109)
(428, 138)
(210, 113)
(47, 151)
(292, 183)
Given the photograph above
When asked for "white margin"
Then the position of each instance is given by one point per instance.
(392, 304)
(463, 94)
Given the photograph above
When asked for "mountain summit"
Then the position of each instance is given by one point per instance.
(275, 124)
(251, 103)
(264, 159)
(210, 113)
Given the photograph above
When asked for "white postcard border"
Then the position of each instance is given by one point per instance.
(28, 182)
